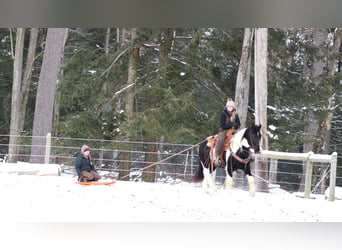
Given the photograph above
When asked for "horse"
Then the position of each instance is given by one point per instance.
(243, 144)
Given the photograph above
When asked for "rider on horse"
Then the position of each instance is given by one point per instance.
(229, 124)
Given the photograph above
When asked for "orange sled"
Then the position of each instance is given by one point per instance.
(87, 183)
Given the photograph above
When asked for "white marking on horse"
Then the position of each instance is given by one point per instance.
(238, 141)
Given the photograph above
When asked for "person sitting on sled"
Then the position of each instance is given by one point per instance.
(84, 166)
(229, 119)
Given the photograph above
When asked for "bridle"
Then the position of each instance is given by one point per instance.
(249, 158)
(250, 138)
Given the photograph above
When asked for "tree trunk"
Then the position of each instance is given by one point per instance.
(16, 90)
(312, 141)
(331, 104)
(129, 107)
(260, 64)
(165, 49)
(56, 109)
(243, 77)
(27, 75)
(43, 116)
(334, 54)
(151, 157)
(107, 40)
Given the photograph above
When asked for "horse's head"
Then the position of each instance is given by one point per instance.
(253, 137)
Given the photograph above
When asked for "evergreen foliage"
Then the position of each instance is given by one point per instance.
(179, 98)
(6, 76)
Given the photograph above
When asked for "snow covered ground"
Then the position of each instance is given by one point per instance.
(31, 198)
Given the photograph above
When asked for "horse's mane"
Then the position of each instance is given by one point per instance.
(238, 141)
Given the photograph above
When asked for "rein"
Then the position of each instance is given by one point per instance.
(243, 161)
(249, 158)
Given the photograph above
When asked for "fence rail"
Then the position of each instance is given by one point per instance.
(309, 158)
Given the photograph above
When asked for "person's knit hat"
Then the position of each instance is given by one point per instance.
(230, 102)
(84, 148)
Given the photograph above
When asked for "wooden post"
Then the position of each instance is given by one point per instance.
(160, 153)
(332, 181)
(308, 176)
(273, 171)
(192, 161)
(101, 155)
(186, 164)
(47, 148)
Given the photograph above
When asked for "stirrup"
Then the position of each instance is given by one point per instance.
(217, 162)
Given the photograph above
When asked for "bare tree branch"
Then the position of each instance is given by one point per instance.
(106, 72)
(129, 86)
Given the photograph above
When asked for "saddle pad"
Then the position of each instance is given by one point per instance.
(88, 183)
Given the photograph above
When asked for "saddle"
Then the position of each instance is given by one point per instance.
(212, 140)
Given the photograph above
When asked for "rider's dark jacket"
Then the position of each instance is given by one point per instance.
(225, 120)
(83, 163)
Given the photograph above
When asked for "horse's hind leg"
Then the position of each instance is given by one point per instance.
(229, 184)
(208, 181)
(251, 185)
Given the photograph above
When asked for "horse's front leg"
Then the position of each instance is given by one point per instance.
(209, 180)
(212, 182)
(229, 183)
(229, 175)
(251, 184)
(205, 181)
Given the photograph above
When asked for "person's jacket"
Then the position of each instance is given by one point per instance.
(82, 163)
(225, 120)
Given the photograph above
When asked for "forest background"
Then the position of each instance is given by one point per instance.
(144, 84)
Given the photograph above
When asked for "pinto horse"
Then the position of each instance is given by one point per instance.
(239, 156)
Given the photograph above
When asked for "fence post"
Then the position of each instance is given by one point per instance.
(332, 181)
(47, 148)
(273, 171)
(192, 161)
(308, 176)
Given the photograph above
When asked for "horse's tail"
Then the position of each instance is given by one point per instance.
(198, 176)
(203, 154)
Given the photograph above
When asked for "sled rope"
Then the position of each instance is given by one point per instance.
(325, 174)
(257, 176)
(167, 158)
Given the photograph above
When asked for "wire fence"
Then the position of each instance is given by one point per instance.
(174, 163)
